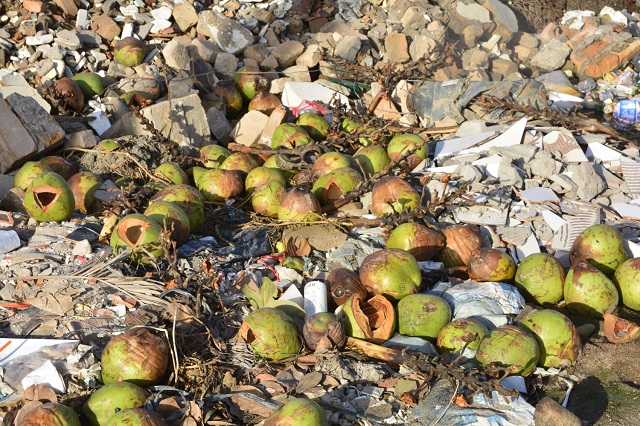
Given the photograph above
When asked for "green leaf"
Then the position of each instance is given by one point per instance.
(260, 299)
(288, 307)
(252, 295)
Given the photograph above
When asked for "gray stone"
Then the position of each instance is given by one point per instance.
(185, 16)
(257, 52)
(422, 47)
(552, 56)
(16, 144)
(68, 39)
(226, 65)
(509, 174)
(587, 179)
(205, 49)
(549, 413)
(229, 35)
(6, 183)
(475, 58)
(180, 86)
(54, 52)
(82, 139)
(176, 53)
(543, 167)
(473, 12)
(287, 52)
(518, 153)
(470, 173)
(219, 125)
(348, 48)
(249, 128)
(44, 130)
(262, 15)
(502, 14)
(563, 182)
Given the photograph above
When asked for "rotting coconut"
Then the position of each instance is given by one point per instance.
(372, 318)
(251, 81)
(336, 184)
(422, 242)
(219, 185)
(299, 205)
(189, 199)
(264, 102)
(271, 333)
(288, 135)
(540, 278)
(212, 156)
(488, 264)
(111, 399)
(391, 272)
(69, 94)
(84, 185)
(315, 125)
(50, 414)
(323, 331)
(260, 176)
(330, 161)
(129, 52)
(600, 245)
(509, 348)
(619, 330)
(461, 242)
(557, 337)
(60, 165)
(343, 284)
(588, 292)
(423, 315)
(140, 234)
(49, 198)
(136, 356)
(298, 412)
(231, 96)
(403, 143)
(170, 217)
(392, 194)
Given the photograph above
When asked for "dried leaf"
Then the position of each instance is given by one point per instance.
(298, 246)
(309, 381)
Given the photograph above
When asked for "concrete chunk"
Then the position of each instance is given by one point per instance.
(44, 130)
(249, 128)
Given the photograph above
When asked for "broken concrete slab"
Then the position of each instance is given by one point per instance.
(16, 144)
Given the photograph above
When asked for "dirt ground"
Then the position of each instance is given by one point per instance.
(609, 389)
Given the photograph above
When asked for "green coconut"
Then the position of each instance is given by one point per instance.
(271, 333)
(251, 81)
(373, 159)
(239, 161)
(29, 171)
(219, 185)
(392, 272)
(423, 315)
(213, 156)
(557, 337)
(391, 195)
(171, 173)
(49, 198)
(315, 125)
(298, 412)
(461, 333)
(422, 242)
(588, 292)
(540, 278)
(511, 349)
(330, 161)
(136, 417)
(627, 279)
(140, 234)
(111, 399)
(171, 217)
(403, 143)
(265, 199)
(188, 199)
(288, 135)
(600, 245)
(260, 176)
(90, 83)
(129, 52)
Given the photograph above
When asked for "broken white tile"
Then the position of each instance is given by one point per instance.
(100, 123)
(82, 21)
(531, 246)
(422, 168)
(554, 221)
(603, 153)
(162, 13)
(631, 174)
(633, 248)
(516, 235)
(39, 39)
(511, 136)
(160, 25)
(490, 165)
(565, 143)
(449, 147)
(627, 211)
(481, 215)
(539, 195)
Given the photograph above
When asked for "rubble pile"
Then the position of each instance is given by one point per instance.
(301, 212)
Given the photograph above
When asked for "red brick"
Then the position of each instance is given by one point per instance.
(34, 6)
(581, 57)
(575, 41)
(627, 50)
(106, 27)
(600, 65)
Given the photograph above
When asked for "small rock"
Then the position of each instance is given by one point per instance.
(34, 6)
(396, 48)
(552, 56)
(68, 6)
(106, 27)
(257, 52)
(176, 53)
(471, 34)
(287, 52)
(249, 128)
(549, 413)
(226, 65)
(591, 183)
(348, 48)
(422, 47)
(16, 144)
(473, 12)
(310, 57)
(205, 49)
(185, 16)
(83, 139)
(229, 35)
(298, 73)
(68, 39)
(219, 125)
